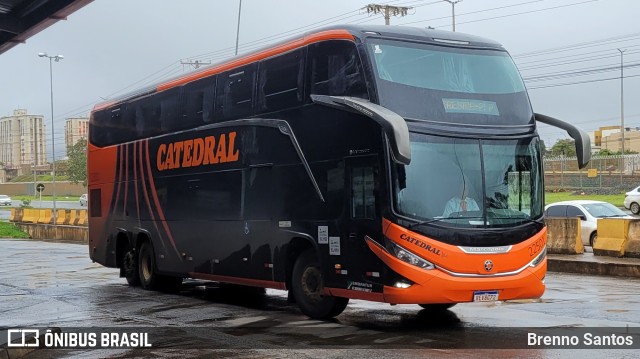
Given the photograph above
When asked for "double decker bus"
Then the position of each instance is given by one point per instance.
(390, 164)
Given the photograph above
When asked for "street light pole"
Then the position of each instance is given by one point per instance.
(57, 58)
(238, 29)
(453, 12)
(622, 110)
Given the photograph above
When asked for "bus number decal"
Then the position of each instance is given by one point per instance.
(536, 247)
(197, 152)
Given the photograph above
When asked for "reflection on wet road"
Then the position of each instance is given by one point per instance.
(55, 284)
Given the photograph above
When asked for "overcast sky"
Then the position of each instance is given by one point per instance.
(111, 47)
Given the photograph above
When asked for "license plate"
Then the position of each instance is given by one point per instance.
(485, 296)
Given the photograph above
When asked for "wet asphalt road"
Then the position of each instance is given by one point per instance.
(46, 284)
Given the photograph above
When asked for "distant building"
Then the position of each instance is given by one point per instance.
(610, 138)
(75, 129)
(22, 140)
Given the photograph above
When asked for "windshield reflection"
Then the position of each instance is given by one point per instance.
(470, 182)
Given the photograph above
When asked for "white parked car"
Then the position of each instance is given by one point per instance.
(632, 200)
(83, 200)
(5, 200)
(588, 212)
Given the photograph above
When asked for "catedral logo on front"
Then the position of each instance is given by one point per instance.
(201, 151)
(423, 245)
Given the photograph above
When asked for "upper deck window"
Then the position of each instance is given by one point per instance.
(336, 69)
(447, 69)
(449, 84)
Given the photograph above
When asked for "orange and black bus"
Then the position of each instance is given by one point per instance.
(391, 164)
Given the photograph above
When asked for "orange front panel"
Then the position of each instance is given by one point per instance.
(454, 259)
(469, 271)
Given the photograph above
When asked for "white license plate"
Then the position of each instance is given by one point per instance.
(485, 296)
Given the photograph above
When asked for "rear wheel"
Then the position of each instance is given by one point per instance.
(593, 238)
(437, 307)
(130, 268)
(148, 275)
(147, 267)
(635, 208)
(308, 286)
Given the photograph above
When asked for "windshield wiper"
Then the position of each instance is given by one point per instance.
(441, 219)
(426, 222)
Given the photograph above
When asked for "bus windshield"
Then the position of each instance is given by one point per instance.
(470, 182)
(443, 83)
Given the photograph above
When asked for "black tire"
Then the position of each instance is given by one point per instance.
(130, 268)
(593, 238)
(148, 272)
(437, 307)
(635, 208)
(147, 267)
(307, 286)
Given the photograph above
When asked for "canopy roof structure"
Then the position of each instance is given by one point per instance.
(21, 19)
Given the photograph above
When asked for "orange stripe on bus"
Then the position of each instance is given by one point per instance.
(324, 35)
(154, 194)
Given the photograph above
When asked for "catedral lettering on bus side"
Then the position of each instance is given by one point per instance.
(197, 152)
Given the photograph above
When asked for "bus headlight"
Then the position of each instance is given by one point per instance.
(406, 256)
(539, 258)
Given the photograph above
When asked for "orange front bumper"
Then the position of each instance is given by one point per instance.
(437, 286)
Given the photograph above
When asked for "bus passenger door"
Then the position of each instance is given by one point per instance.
(364, 217)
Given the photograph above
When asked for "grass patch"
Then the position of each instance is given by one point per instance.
(553, 197)
(9, 230)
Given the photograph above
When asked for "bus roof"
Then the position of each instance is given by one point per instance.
(344, 32)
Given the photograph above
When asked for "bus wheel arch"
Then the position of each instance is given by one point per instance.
(307, 285)
(295, 248)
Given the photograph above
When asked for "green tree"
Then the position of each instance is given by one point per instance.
(605, 152)
(77, 163)
(566, 147)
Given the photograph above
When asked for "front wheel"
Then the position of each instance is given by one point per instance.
(437, 307)
(308, 287)
(635, 208)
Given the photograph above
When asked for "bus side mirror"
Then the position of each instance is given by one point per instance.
(583, 142)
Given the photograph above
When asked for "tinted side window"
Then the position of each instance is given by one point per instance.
(97, 128)
(198, 100)
(280, 81)
(556, 211)
(335, 69)
(363, 198)
(234, 92)
(573, 211)
(169, 109)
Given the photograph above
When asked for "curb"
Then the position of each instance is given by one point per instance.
(607, 267)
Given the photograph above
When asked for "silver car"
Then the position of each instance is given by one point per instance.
(588, 212)
(632, 200)
(83, 200)
(5, 200)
